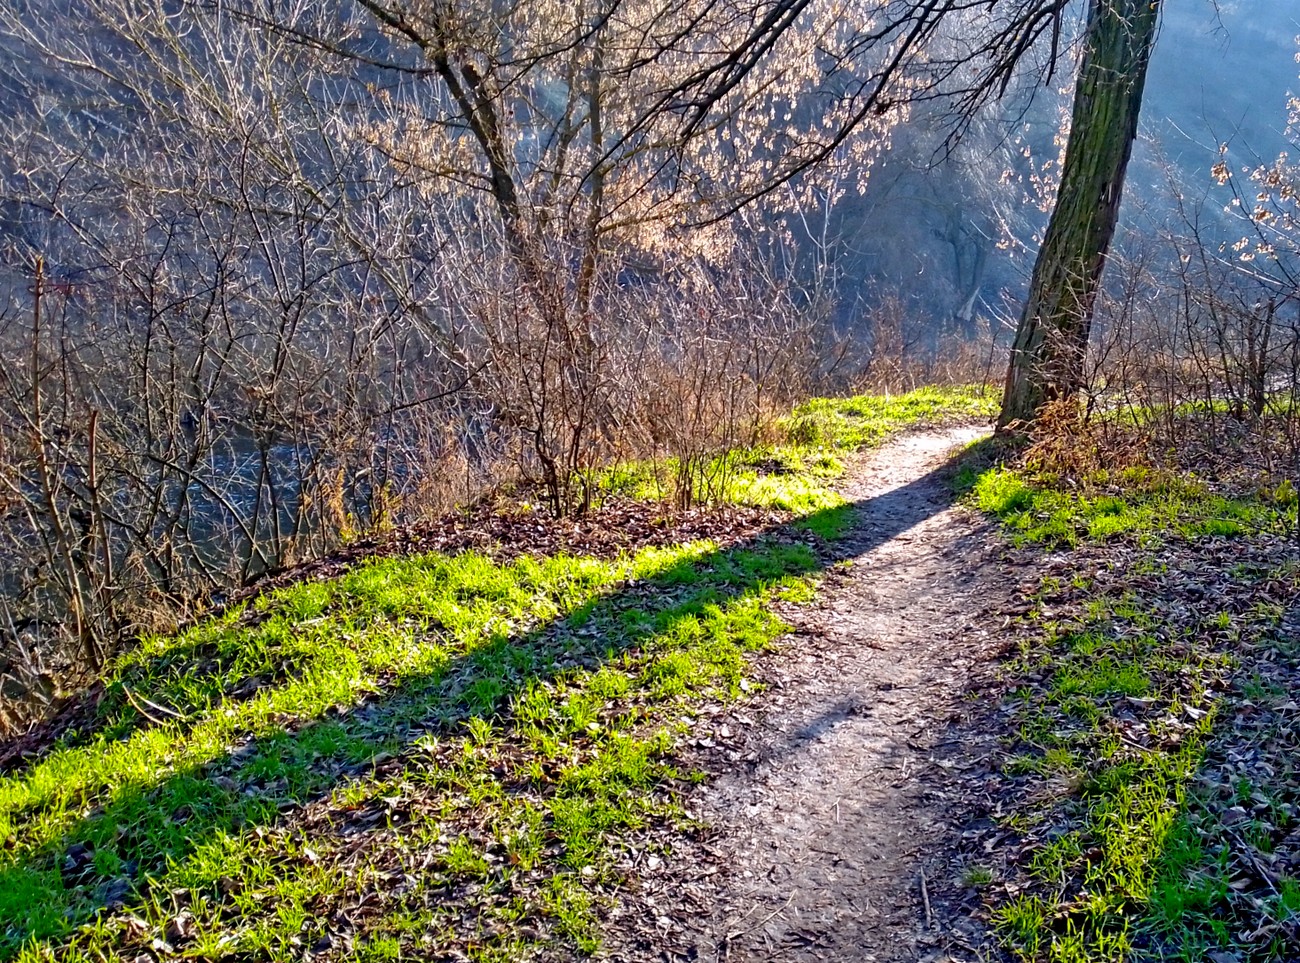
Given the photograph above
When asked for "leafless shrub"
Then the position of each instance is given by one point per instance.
(740, 348)
(1193, 359)
(900, 351)
(905, 350)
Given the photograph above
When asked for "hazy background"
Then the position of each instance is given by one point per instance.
(1219, 76)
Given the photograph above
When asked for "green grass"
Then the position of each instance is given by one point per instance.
(1118, 696)
(467, 744)
(796, 473)
(1139, 504)
(977, 876)
(530, 708)
(1022, 923)
(867, 420)
(1123, 776)
(1227, 883)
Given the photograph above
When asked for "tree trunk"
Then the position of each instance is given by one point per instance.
(1052, 338)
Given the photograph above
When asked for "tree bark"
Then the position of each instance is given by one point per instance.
(1052, 338)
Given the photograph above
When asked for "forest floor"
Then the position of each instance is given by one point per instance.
(905, 696)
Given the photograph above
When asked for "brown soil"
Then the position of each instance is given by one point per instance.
(844, 790)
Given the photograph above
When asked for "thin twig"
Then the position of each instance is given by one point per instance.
(765, 920)
(152, 705)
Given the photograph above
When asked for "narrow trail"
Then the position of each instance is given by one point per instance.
(834, 833)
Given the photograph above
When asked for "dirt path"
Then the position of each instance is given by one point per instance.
(851, 778)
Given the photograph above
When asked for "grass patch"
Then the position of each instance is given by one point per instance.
(1113, 718)
(1228, 883)
(511, 720)
(864, 421)
(1141, 505)
(795, 473)
(1137, 651)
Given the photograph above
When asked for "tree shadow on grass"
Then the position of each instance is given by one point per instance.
(136, 831)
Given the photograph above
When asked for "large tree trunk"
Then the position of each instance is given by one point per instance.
(1047, 357)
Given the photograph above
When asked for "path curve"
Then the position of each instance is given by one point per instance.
(835, 835)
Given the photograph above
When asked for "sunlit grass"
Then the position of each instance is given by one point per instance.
(867, 420)
(1139, 504)
(1115, 708)
(557, 677)
(1097, 879)
(796, 472)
